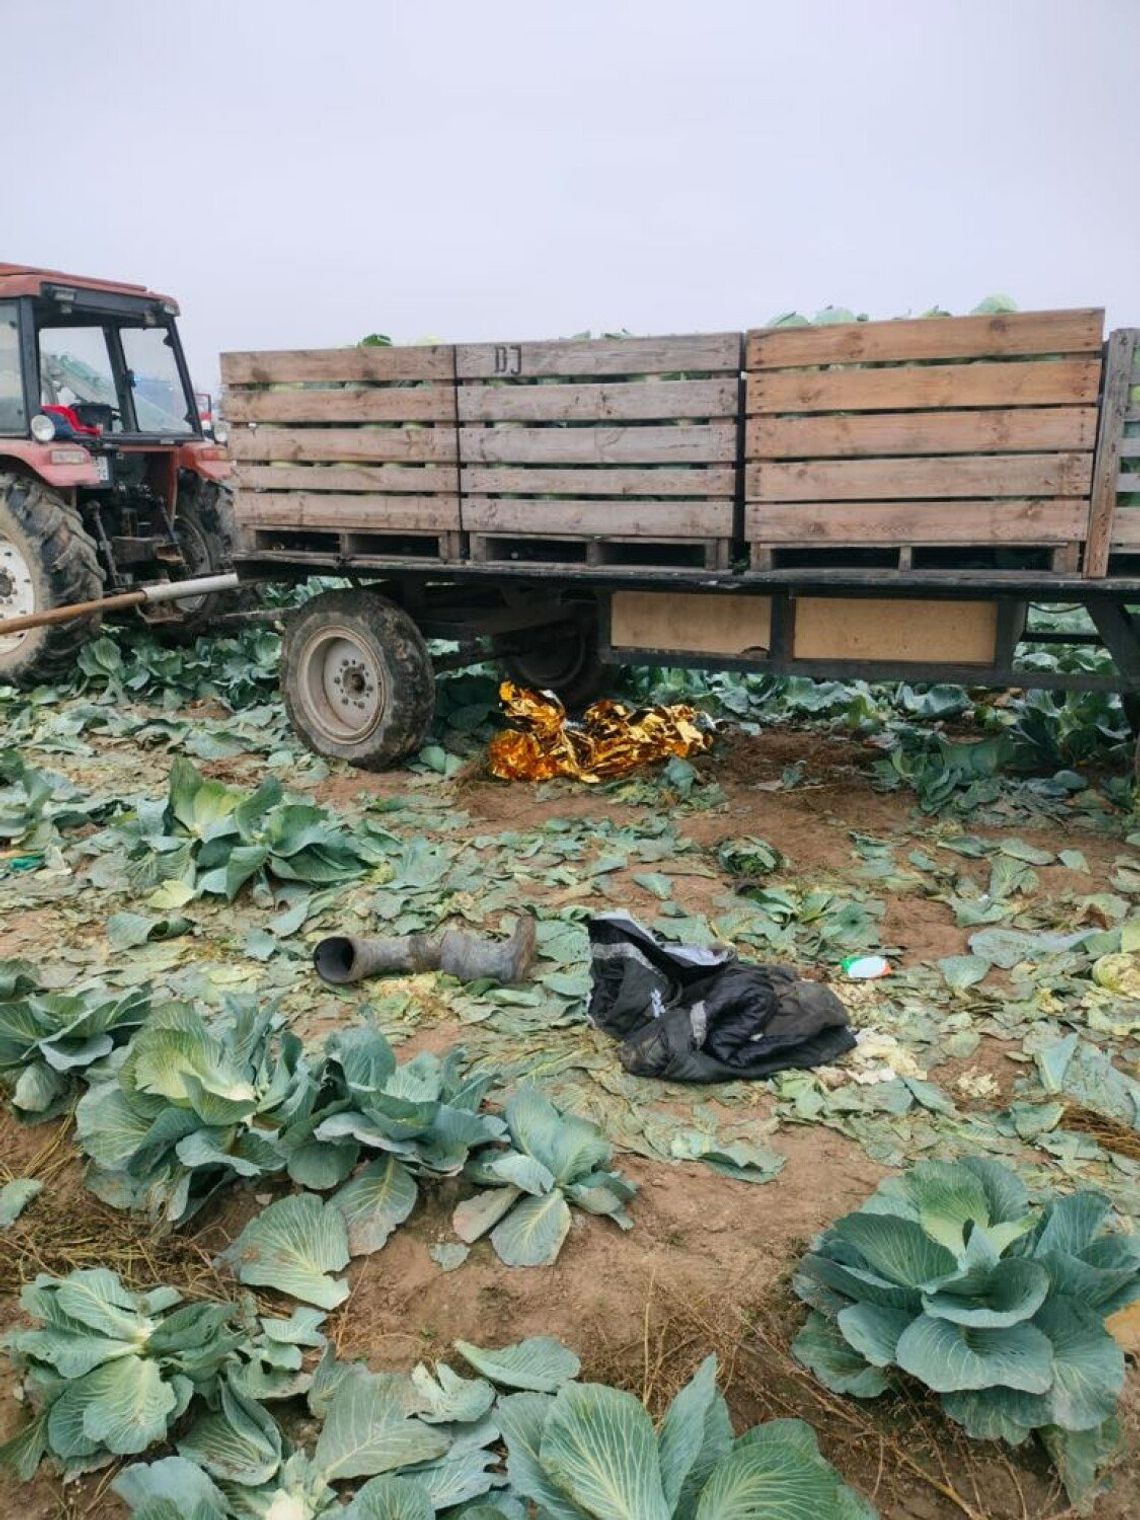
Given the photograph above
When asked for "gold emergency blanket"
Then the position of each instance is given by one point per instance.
(609, 740)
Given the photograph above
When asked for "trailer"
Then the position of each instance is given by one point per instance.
(878, 500)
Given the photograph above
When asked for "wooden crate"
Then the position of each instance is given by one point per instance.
(1114, 519)
(350, 452)
(955, 433)
(600, 450)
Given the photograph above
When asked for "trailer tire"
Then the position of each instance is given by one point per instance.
(357, 679)
(47, 559)
(567, 664)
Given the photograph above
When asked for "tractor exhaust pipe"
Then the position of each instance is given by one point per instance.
(162, 591)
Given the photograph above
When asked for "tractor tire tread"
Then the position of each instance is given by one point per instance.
(69, 564)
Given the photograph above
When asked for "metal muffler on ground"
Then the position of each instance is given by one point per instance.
(342, 959)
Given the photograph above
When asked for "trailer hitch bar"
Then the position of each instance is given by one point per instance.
(161, 591)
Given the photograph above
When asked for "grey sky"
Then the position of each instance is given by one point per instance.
(301, 172)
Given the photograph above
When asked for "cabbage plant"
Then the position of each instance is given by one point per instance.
(592, 1450)
(749, 859)
(425, 1444)
(211, 839)
(554, 1160)
(420, 1118)
(49, 1039)
(107, 1372)
(191, 1106)
(949, 1275)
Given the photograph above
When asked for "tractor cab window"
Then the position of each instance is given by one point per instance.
(13, 417)
(77, 381)
(161, 402)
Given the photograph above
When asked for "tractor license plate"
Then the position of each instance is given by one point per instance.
(102, 467)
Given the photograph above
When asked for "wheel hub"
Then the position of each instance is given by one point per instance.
(353, 687)
(341, 685)
(17, 592)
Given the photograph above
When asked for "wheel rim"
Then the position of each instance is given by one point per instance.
(342, 687)
(17, 592)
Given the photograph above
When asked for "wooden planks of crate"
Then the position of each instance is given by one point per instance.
(1114, 519)
(607, 451)
(948, 434)
(345, 452)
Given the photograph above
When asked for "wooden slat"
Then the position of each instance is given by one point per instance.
(378, 514)
(419, 479)
(344, 444)
(399, 403)
(1127, 485)
(1028, 383)
(1122, 346)
(917, 522)
(1031, 332)
(1126, 528)
(680, 519)
(487, 480)
(632, 401)
(1129, 448)
(681, 444)
(1008, 429)
(699, 352)
(956, 476)
(411, 362)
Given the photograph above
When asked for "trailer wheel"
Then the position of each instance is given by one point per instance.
(566, 663)
(47, 559)
(356, 678)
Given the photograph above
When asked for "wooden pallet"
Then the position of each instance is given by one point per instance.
(631, 441)
(365, 547)
(956, 433)
(637, 553)
(351, 446)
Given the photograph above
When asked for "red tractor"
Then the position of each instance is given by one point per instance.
(106, 478)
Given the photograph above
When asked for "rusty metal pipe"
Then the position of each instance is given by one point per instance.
(162, 591)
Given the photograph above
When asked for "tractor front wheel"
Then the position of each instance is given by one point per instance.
(356, 678)
(47, 559)
(207, 535)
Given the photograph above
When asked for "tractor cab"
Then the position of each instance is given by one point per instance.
(98, 414)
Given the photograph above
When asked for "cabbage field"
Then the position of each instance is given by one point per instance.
(416, 1247)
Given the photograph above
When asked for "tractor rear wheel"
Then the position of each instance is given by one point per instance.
(47, 559)
(356, 678)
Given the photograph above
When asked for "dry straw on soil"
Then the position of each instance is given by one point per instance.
(66, 1227)
(893, 1452)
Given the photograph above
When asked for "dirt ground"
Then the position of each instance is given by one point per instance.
(708, 1262)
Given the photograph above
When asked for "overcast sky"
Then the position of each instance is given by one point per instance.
(302, 172)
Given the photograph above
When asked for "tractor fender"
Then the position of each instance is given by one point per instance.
(209, 460)
(57, 464)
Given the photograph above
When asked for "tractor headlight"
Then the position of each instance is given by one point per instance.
(221, 433)
(43, 428)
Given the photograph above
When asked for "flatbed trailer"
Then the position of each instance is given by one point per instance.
(879, 500)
